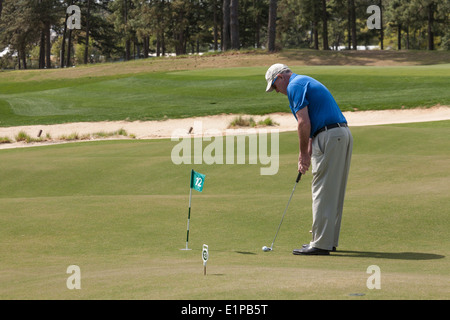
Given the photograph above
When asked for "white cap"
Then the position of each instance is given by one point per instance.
(272, 73)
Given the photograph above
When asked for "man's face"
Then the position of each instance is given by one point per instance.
(280, 83)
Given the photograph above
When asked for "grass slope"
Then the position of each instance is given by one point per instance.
(118, 210)
(142, 91)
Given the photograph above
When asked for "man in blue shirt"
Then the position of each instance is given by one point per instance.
(325, 144)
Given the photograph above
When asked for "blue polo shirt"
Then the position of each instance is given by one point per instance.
(323, 110)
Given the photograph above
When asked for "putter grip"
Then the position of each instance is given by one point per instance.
(298, 177)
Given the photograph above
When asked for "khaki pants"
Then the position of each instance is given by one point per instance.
(330, 160)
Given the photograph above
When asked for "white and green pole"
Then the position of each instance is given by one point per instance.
(189, 218)
(197, 180)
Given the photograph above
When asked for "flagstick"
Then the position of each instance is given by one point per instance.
(189, 218)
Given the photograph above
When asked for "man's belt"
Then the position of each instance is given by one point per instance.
(330, 126)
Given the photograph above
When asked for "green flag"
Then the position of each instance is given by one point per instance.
(197, 180)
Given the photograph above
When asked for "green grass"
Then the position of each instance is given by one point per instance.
(180, 94)
(118, 210)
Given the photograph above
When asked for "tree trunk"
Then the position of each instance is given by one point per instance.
(399, 37)
(158, 45)
(180, 36)
(257, 34)
(234, 24)
(18, 59)
(407, 37)
(163, 44)
(48, 49)
(349, 25)
(430, 26)
(63, 45)
(226, 26)
(325, 25)
(381, 26)
(42, 46)
(316, 35)
(146, 46)
(127, 49)
(24, 58)
(353, 24)
(88, 17)
(127, 40)
(272, 25)
(42, 50)
(216, 26)
(69, 49)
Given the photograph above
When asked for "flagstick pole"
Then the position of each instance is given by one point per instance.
(189, 218)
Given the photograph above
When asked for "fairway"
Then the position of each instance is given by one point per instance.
(201, 92)
(118, 209)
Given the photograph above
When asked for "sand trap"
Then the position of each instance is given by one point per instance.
(165, 129)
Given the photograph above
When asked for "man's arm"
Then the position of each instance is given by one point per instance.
(304, 131)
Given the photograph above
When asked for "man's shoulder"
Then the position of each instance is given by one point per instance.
(299, 80)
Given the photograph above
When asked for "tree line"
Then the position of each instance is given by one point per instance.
(35, 31)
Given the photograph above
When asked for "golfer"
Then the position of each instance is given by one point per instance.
(325, 144)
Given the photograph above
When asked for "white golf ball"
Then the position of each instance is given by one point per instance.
(265, 248)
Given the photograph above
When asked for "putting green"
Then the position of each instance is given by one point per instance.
(118, 210)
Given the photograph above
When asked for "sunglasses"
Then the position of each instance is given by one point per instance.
(273, 82)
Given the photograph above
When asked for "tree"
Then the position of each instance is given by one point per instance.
(430, 14)
(88, 20)
(63, 49)
(120, 17)
(234, 24)
(397, 17)
(325, 25)
(113, 29)
(180, 21)
(337, 22)
(311, 12)
(272, 25)
(352, 42)
(46, 14)
(17, 31)
(424, 19)
(292, 26)
(226, 41)
(215, 11)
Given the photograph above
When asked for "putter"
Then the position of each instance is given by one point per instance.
(292, 193)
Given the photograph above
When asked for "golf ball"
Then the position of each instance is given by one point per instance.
(265, 248)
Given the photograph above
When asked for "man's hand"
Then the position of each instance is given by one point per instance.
(304, 161)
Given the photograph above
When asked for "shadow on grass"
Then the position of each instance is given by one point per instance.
(388, 255)
(245, 252)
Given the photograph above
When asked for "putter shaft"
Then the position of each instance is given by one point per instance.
(285, 210)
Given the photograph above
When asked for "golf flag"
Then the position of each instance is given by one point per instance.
(197, 180)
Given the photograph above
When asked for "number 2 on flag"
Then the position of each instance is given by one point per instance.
(198, 182)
